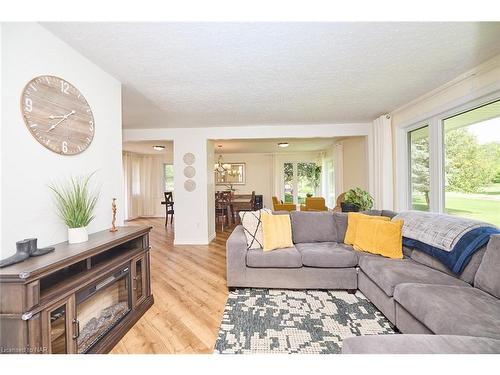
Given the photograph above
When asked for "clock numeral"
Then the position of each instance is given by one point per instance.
(65, 147)
(91, 125)
(64, 87)
(28, 104)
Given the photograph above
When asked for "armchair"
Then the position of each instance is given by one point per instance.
(280, 206)
(314, 204)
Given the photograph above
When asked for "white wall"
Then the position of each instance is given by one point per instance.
(29, 50)
(355, 163)
(210, 190)
(192, 214)
(259, 174)
(192, 217)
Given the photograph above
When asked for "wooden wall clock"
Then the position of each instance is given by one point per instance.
(57, 115)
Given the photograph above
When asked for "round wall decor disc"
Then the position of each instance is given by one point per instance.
(189, 158)
(190, 185)
(189, 171)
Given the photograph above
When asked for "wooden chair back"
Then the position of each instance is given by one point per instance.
(169, 197)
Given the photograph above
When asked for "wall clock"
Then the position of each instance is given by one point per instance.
(57, 115)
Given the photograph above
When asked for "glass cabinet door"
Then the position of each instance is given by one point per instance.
(139, 279)
(60, 327)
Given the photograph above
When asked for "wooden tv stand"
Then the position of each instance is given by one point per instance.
(80, 298)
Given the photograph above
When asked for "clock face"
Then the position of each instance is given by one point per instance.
(57, 115)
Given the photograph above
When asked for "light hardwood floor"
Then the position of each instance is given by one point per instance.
(189, 287)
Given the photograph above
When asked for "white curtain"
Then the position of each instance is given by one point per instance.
(143, 184)
(382, 163)
(339, 169)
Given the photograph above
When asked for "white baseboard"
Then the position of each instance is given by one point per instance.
(212, 237)
(191, 241)
(194, 241)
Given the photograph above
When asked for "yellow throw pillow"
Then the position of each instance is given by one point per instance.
(380, 237)
(276, 231)
(352, 223)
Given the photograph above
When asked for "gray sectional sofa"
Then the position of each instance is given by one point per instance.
(417, 294)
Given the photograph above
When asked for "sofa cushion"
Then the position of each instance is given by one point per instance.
(488, 274)
(327, 255)
(387, 273)
(281, 258)
(313, 227)
(420, 344)
(341, 223)
(466, 275)
(451, 310)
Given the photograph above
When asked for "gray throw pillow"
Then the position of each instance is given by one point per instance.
(313, 227)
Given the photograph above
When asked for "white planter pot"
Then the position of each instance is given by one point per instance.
(77, 235)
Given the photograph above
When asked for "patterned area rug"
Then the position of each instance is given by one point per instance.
(296, 321)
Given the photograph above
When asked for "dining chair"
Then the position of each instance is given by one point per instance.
(169, 206)
(221, 208)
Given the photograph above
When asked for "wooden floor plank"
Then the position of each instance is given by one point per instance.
(189, 286)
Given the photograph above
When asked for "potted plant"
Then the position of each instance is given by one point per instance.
(357, 200)
(75, 205)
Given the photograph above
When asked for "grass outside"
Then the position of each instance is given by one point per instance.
(483, 206)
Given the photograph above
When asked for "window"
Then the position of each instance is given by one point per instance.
(419, 168)
(300, 179)
(308, 180)
(168, 177)
(330, 183)
(472, 163)
(288, 182)
(454, 162)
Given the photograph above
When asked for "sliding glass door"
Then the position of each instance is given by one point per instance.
(300, 180)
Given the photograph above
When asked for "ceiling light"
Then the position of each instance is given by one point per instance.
(283, 144)
(159, 148)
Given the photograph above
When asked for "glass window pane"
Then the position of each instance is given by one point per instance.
(472, 163)
(419, 166)
(168, 176)
(288, 182)
(309, 178)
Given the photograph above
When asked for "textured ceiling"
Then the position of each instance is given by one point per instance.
(222, 74)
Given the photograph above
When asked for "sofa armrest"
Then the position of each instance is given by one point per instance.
(236, 254)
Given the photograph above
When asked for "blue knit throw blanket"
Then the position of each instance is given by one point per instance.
(452, 240)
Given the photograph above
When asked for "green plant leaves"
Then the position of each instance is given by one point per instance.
(360, 198)
(75, 203)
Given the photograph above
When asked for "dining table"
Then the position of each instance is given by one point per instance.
(241, 202)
